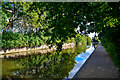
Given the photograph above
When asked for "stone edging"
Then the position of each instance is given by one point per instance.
(43, 47)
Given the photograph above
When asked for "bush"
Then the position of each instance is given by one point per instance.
(16, 40)
(82, 39)
(88, 41)
(111, 41)
(95, 39)
(12, 40)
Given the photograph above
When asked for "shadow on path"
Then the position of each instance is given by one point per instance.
(99, 65)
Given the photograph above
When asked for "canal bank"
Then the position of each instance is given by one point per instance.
(48, 65)
(99, 65)
(26, 51)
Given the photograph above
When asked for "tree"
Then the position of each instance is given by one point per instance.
(11, 11)
(57, 21)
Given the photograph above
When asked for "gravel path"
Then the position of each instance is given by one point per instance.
(99, 65)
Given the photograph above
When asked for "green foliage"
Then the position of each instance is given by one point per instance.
(4, 19)
(16, 40)
(11, 11)
(12, 40)
(57, 22)
(88, 41)
(95, 39)
(82, 39)
(111, 43)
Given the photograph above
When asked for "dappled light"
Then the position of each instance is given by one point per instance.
(53, 34)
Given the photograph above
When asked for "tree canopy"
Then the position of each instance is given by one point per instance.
(57, 21)
(62, 18)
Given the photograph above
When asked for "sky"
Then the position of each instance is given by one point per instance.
(91, 35)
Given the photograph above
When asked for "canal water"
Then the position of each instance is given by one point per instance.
(64, 64)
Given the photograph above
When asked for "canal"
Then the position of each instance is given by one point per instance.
(64, 64)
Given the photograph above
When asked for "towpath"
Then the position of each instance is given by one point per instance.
(99, 65)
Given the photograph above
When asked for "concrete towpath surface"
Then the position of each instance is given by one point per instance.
(99, 65)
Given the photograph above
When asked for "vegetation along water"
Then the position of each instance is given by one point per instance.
(32, 24)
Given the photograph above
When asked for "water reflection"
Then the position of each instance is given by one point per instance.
(80, 60)
(49, 65)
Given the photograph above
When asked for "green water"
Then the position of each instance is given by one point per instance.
(49, 65)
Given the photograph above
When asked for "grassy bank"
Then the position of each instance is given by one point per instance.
(12, 40)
